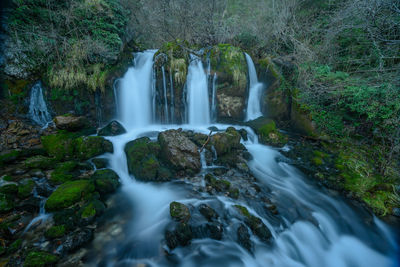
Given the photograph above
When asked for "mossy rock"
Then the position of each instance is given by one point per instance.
(65, 171)
(267, 132)
(106, 181)
(256, 225)
(219, 185)
(9, 156)
(61, 146)
(100, 163)
(9, 189)
(39, 162)
(226, 142)
(39, 259)
(25, 188)
(179, 212)
(6, 203)
(91, 146)
(112, 129)
(92, 209)
(143, 162)
(69, 194)
(56, 231)
(317, 161)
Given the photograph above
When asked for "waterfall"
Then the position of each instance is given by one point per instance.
(197, 93)
(214, 100)
(135, 97)
(254, 101)
(166, 115)
(37, 106)
(172, 98)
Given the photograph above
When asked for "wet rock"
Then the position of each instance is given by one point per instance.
(179, 152)
(91, 146)
(181, 236)
(208, 230)
(61, 146)
(267, 132)
(70, 122)
(112, 129)
(56, 231)
(256, 225)
(77, 239)
(39, 162)
(100, 163)
(143, 160)
(65, 171)
(243, 134)
(243, 237)
(219, 185)
(40, 258)
(209, 213)
(68, 194)
(179, 211)
(91, 210)
(106, 181)
(226, 142)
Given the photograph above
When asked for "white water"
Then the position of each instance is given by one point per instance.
(255, 92)
(197, 94)
(313, 229)
(135, 98)
(37, 106)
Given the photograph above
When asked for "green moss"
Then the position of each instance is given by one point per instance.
(91, 146)
(55, 232)
(25, 188)
(64, 172)
(320, 154)
(219, 185)
(92, 209)
(317, 161)
(256, 225)
(61, 145)
(106, 181)
(68, 194)
(233, 193)
(8, 178)
(270, 135)
(39, 162)
(179, 211)
(14, 246)
(40, 258)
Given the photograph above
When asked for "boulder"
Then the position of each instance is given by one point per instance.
(179, 152)
(61, 146)
(226, 142)
(243, 237)
(106, 181)
(209, 213)
(70, 122)
(25, 188)
(112, 129)
(65, 171)
(68, 194)
(256, 225)
(179, 212)
(181, 236)
(39, 162)
(267, 132)
(91, 146)
(143, 160)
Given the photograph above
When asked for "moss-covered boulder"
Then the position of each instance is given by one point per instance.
(226, 142)
(6, 203)
(256, 225)
(219, 185)
(230, 65)
(70, 122)
(39, 259)
(65, 171)
(56, 231)
(39, 162)
(92, 209)
(100, 163)
(25, 188)
(143, 160)
(112, 129)
(69, 194)
(91, 146)
(179, 212)
(106, 181)
(267, 132)
(179, 152)
(61, 146)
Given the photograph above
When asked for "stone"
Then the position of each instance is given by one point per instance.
(181, 236)
(112, 129)
(70, 122)
(243, 237)
(267, 132)
(100, 163)
(65, 171)
(39, 162)
(179, 152)
(68, 194)
(106, 181)
(256, 225)
(179, 211)
(77, 239)
(91, 146)
(226, 142)
(209, 213)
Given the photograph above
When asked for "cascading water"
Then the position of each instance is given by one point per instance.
(312, 228)
(37, 106)
(197, 94)
(135, 97)
(255, 92)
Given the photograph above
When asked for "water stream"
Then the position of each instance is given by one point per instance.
(314, 226)
(255, 92)
(37, 106)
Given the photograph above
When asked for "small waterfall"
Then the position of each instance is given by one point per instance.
(136, 91)
(166, 115)
(254, 101)
(172, 99)
(197, 93)
(37, 106)
(154, 96)
(214, 100)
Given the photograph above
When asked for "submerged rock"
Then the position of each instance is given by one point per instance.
(112, 129)
(179, 152)
(70, 122)
(243, 237)
(256, 225)
(181, 236)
